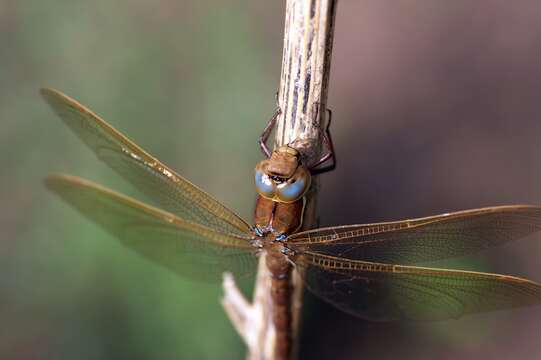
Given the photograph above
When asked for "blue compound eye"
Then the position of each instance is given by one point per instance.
(264, 185)
(294, 188)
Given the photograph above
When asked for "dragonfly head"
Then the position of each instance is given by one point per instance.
(282, 177)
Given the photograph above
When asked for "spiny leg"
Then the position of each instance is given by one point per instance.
(266, 133)
(329, 154)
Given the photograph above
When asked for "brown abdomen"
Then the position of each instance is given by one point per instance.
(274, 219)
(281, 290)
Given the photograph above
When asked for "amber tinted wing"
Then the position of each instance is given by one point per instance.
(380, 292)
(187, 248)
(162, 185)
(424, 239)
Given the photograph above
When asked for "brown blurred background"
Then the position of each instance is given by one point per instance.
(435, 109)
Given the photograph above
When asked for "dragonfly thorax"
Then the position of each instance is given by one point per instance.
(282, 177)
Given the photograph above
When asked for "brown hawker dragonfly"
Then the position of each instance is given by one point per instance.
(354, 267)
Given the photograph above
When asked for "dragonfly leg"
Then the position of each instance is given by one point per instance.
(266, 133)
(287, 251)
(281, 237)
(329, 153)
(258, 230)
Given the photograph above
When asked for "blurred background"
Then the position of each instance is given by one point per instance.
(436, 108)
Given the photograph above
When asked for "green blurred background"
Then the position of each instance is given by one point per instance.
(436, 108)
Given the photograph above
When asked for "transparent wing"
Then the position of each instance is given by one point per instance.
(381, 292)
(161, 184)
(187, 248)
(424, 239)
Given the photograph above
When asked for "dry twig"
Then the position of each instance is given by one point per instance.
(308, 35)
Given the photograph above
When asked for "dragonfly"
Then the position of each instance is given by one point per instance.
(368, 270)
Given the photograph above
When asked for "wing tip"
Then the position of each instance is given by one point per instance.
(52, 181)
(56, 99)
(55, 182)
(46, 90)
(48, 93)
